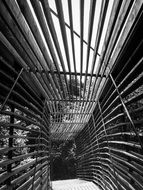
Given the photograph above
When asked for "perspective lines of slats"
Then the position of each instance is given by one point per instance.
(74, 184)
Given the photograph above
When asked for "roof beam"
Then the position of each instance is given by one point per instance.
(73, 73)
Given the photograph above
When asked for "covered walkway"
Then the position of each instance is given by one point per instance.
(71, 70)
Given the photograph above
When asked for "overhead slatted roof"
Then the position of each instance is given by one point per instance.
(67, 49)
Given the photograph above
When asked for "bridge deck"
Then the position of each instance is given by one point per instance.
(74, 184)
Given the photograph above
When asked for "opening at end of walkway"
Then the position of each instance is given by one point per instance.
(73, 184)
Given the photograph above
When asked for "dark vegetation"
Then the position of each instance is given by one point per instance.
(63, 160)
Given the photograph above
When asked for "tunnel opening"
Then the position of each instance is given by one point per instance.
(63, 160)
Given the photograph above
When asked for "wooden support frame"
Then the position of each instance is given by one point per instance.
(91, 111)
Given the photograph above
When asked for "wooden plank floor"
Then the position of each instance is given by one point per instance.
(73, 184)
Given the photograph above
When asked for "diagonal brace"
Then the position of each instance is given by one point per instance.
(15, 82)
(126, 111)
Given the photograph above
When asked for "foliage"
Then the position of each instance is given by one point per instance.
(20, 141)
(63, 158)
(74, 87)
(4, 131)
(61, 109)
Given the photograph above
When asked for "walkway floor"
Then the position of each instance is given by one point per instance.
(74, 184)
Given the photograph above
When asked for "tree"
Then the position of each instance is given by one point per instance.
(63, 158)
(64, 107)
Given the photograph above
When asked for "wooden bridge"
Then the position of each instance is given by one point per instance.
(71, 70)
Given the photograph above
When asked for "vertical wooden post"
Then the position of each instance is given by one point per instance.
(10, 144)
(89, 134)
